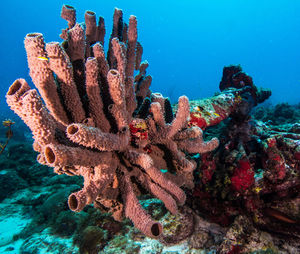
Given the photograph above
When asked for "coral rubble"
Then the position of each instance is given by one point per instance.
(103, 123)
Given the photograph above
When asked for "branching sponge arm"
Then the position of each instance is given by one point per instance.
(136, 213)
(42, 76)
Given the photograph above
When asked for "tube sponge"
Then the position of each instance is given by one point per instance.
(101, 122)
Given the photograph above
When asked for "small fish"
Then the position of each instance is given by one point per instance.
(216, 114)
(198, 108)
(257, 189)
(207, 113)
(42, 58)
(7, 123)
(279, 215)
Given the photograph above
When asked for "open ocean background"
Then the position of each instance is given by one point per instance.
(187, 43)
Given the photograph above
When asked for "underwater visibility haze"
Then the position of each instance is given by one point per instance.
(153, 127)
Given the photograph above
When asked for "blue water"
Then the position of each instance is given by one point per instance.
(187, 43)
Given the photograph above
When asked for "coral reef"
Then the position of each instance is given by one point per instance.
(103, 123)
(279, 114)
(254, 172)
(98, 121)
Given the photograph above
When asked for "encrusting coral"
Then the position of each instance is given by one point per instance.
(103, 123)
(255, 172)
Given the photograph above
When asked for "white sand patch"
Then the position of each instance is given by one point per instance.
(12, 222)
(11, 226)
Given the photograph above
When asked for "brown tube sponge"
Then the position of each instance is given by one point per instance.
(160, 193)
(94, 94)
(95, 138)
(120, 58)
(61, 155)
(78, 200)
(198, 145)
(76, 43)
(101, 30)
(132, 37)
(131, 102)
(156, 175)
(14, 96)
(91, 26)
(143, 87)
(116, 88)
(39, 120)
(103, 123)
(68, 13)
(136, 213)
(42, 75)
(102, 62)
(158, 114)
(60, 64)
(139, 53)
(182, 114)
(117, 23)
